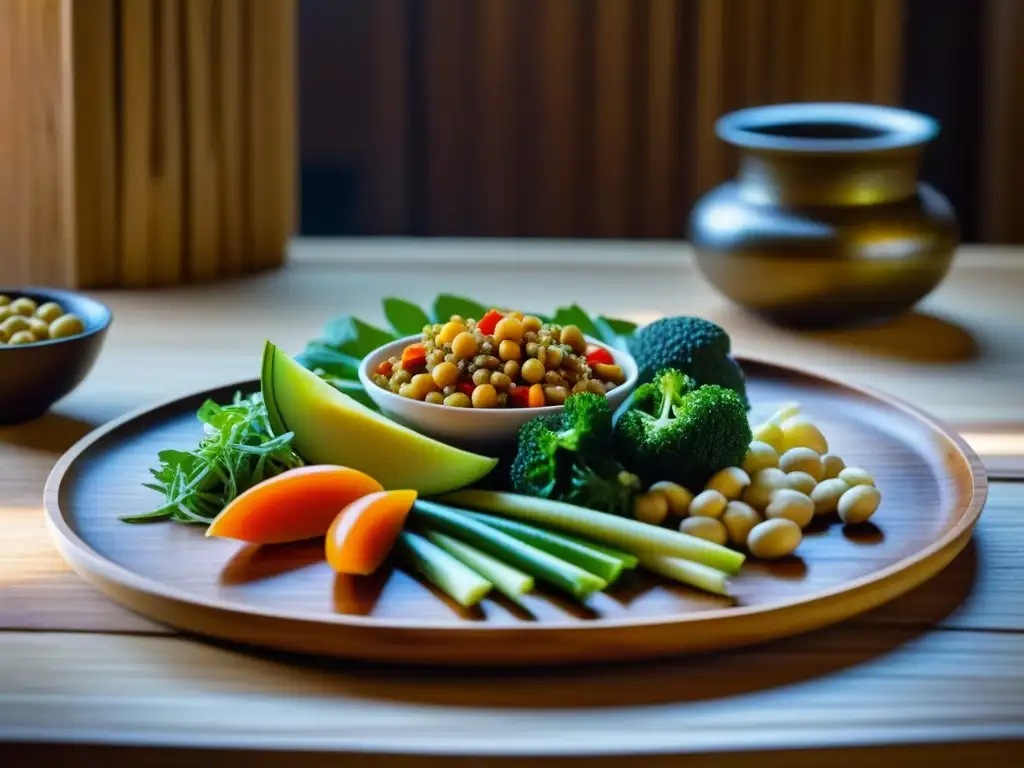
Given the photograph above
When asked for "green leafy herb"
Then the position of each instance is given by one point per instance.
(238, 451)
(354, 337)
(574, 315)
(405, 317)
(446, 305)
(615, 333)
(319, 355)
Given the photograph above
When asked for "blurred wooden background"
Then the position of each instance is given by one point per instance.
(594, 118)
(147, 142)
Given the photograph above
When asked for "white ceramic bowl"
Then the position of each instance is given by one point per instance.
(470, 428)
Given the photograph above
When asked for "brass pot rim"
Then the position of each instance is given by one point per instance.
(854, 128)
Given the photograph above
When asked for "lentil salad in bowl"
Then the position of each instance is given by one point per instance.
(514, 366)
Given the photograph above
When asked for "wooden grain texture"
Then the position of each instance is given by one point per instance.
(288, 597)
(844, 687)
(94, 196)
(35, 204)
(932, 666)
(229, 98)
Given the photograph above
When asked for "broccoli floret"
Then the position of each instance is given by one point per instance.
(568, 457)
(697, 347)
(677, 431)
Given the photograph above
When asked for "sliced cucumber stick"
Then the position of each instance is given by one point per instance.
(571, 578)
(462, 584)
(612, 530)
(598, 563)
(505, 578)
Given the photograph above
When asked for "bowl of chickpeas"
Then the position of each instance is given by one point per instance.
(473, 382)
(49, 340)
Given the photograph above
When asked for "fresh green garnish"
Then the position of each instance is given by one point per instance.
(237, 452)
(345, 340)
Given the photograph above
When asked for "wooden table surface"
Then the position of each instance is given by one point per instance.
(936, 676)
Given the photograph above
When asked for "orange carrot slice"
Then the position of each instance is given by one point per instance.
(414, 356)
(295, 505)
(361, 537)
(536, 397)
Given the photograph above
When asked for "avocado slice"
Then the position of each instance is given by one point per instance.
(331, 427)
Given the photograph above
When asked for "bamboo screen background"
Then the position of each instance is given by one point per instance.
(150, 142)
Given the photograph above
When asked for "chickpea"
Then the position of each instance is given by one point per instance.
(5, 312)
(445, 374)
(407, 390)
(39, 328)
(798, 431)
(855, 506)
(66, 325)
(49, 311)
(23, 306)
(517, 315)
(739, 520)
(485, 396)
(826, 495)
(531, 324)
(802, 459)
(500, 381)
(595, 386)
(401, 376)
(774, 538)
(707, 528)
(481, 376)
(759, 456)
(450, 330)
(762, 484)
(785, 411)
(542, 355)
(610, 372)
(831, 465)
(465, 345)
(509, 350)
(4, 300)
(651, 508)
(434, 397)
(553, 378)
(802, 482)
(423, 383)
(531, 348)
(579, 386)
(22, 337)
(850, 475)
(573, 336)
(14, 324)
(770, 433)
(729, 482)
(791, 505)
(511, 369)
(533, 371)
(555, 395)
(553, 357)
(708, 503)
(679, 498)
(458, 400)
(509, 328)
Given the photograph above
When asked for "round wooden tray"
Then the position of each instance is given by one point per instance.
(286, 597)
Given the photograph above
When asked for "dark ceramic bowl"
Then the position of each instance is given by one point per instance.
(35, 376)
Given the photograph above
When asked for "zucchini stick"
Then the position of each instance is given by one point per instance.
(605, 566)
(505, 578)
(687, 572)
(462, 584)
(571, 578)
(621, 532)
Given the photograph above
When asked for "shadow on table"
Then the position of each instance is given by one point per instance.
(784, 662)
(52, 432)
(916, 336)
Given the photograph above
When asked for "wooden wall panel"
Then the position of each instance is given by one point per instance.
(753, 52)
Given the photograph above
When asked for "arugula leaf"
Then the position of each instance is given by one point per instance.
(237, 451)
(405, 317)
(446, 305)
(319, 354)
(574, 315)
(354, 337)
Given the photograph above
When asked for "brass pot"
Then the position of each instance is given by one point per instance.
(826, 222)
